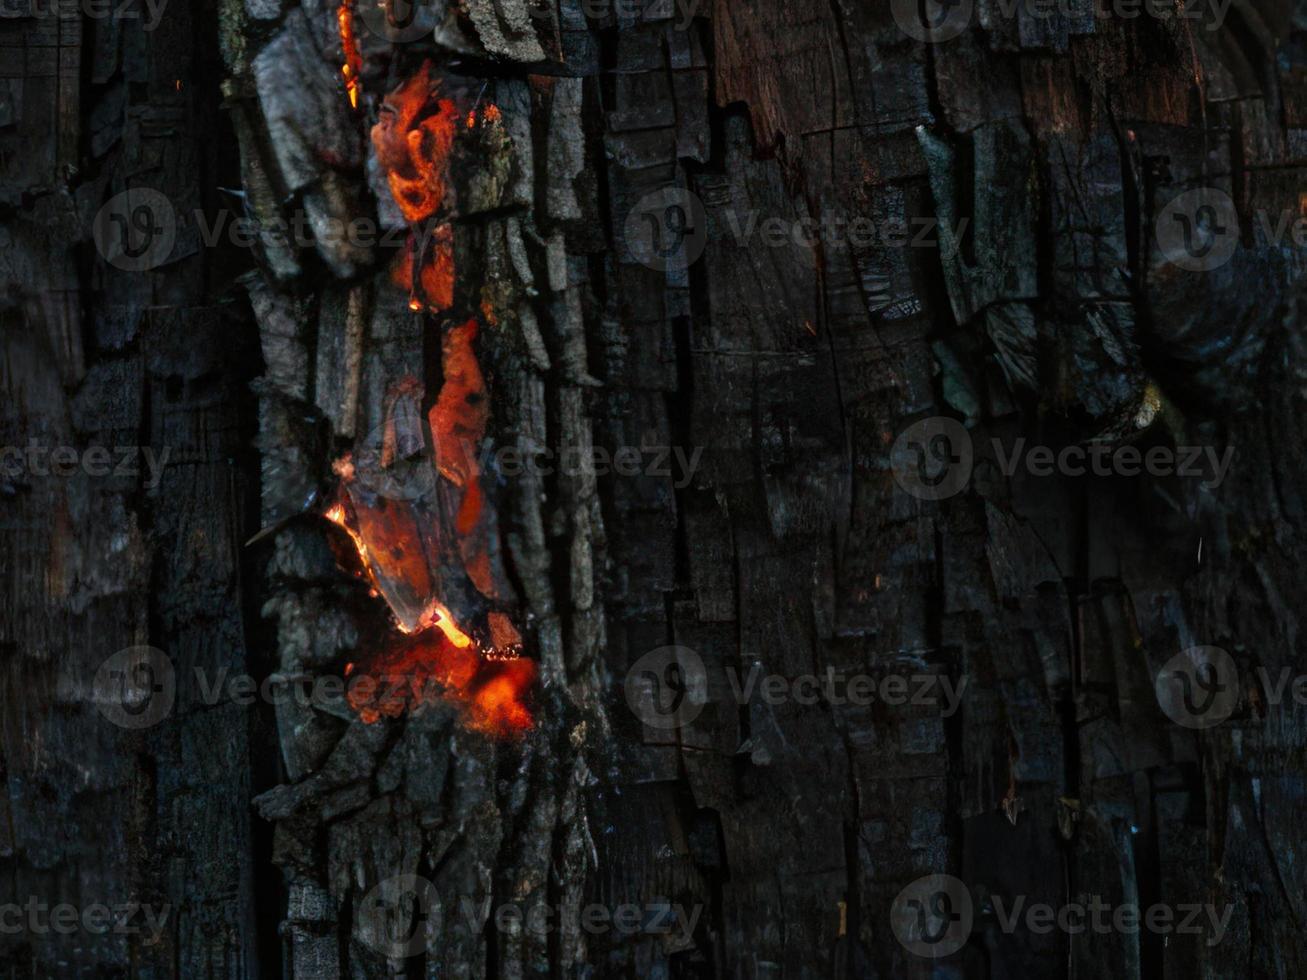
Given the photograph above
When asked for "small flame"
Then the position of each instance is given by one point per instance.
(443, 620)
(492, 696)
(353, 66)
(490, 114)
(436, 660)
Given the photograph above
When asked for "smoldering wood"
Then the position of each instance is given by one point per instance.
(789, 550)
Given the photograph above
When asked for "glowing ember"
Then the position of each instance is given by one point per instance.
(427, 539)
(492, 696)
(413, 139)
(443, 620)
(353, 66)
(425, 270)
(434, 660)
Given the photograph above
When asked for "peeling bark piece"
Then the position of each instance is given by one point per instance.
(506, 28)
(566, 149)
(341, 323)
(296, 86)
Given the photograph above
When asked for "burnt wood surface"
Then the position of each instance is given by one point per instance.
(777, 540)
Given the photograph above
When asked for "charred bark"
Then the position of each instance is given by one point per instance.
(783, 250)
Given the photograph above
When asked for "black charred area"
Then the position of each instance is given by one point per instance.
(723, 358)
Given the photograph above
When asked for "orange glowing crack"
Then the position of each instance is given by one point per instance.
(436, 660)
(352, 69)
(413, 672)
(413, 140)
(442, 619)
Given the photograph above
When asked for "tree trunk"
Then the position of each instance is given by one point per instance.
(769, 424)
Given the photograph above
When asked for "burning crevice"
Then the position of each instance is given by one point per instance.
(413, 140)
(410, 496)
(352, 68)
(413, 672)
